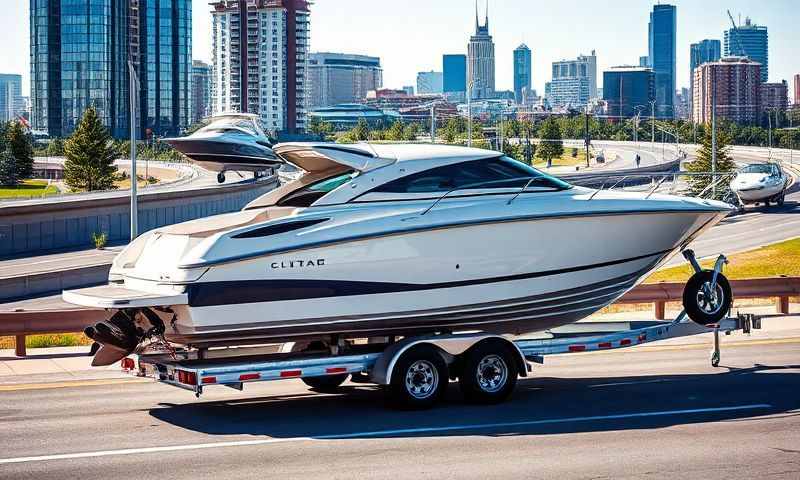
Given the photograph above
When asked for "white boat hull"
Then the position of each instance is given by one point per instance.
(505, 277)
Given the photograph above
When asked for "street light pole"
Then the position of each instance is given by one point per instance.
(134, 204)
(652, 126)
(469, 113)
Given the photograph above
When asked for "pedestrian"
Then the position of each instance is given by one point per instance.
(638, 160)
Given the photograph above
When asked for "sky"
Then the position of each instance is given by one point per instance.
(411, 35)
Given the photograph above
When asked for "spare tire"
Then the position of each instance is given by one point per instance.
(703, 305)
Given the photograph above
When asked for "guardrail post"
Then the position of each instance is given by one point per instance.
(19, 346)
(782, 305)
(659, 309)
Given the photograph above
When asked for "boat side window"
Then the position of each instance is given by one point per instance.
(306, 196)
(491, 173)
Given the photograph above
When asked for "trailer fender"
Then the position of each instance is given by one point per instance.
(450, 346)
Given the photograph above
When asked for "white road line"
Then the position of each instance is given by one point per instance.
(377, 433)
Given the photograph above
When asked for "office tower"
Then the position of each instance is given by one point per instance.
(522, 72)
(12, 104)
(751, 41)
(429, 83)
(662, 31)
(201, 90)
(454, 76)
(700, 53)
(644, 61)
(165, 66)
(79, 53)
(336, 78)
(775, 96)
(628, 90)
(574, 82)
(408, 89)
(737, 81)
(260, 62)
(480, 65)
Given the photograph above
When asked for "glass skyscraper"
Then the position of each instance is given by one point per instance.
(522, 72)
(704, 51)
(11, 101)
(454, 71)
(165, 36)
(76, 48)
(662, 31)
(628, 90)
(79, 57)
(751, 41)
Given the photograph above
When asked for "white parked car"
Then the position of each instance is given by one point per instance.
(760, 183)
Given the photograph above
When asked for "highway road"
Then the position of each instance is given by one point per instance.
(655, 412)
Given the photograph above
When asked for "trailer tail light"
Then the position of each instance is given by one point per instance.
(577, 348)
(208, 380)
(333, 370)
(291, 373)
(249, 376)
(127, 364)
(625, 341)
(604, 345)
(187, 378)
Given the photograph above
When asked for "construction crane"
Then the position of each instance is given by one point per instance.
(738, 37)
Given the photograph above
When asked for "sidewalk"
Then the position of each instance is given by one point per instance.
(62, 364)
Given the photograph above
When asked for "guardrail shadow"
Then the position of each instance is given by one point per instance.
(539, 406)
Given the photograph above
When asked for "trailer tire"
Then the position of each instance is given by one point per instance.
(327, 383)
(489, 373)
(701, 309)
(419, 378)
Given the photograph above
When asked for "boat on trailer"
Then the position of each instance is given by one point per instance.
(391, 241)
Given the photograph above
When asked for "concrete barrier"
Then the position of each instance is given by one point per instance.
(31, 229)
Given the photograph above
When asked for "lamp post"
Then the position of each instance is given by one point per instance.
(469, 113)
(133, 80)
(652, 126)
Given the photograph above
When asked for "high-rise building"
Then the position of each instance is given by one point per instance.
(454, 76)
(79, 53)
(165, 66)
(737, 83)
(522, 72)
(797, 89)
(260, 62)
(661, 41)
(429, 83)
(751, 41)
(628, 90)
(574, 82)
(775, 96)
(700, 53)
(201, 90)
(408, 89)
(644, 61)
(480, 65)
(335, 78)
(12, 104)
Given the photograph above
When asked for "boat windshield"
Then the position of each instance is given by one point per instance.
(231, 123)
(306, 196)
(490, 173)
(759, 168)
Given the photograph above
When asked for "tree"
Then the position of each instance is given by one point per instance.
(8, 169)
(90, 155)
(551, 144)
(395, 132)
(20, 144)
(724, 164)
(55, 148)
(410, 132)
(361, 130)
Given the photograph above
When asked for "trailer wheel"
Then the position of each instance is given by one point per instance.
(327, 383)
(781, 199)
(489, 373)
(419, 378)
(703, 305)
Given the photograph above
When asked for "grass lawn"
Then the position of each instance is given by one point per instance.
(28, 188)
(565, 160)
(126, 184)
(44, 341)
(770, 261)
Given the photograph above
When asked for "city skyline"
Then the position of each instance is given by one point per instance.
(510, 28)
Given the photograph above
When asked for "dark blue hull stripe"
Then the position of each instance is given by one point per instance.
(207, 294)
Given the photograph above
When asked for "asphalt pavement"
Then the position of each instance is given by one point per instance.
(655, 412)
